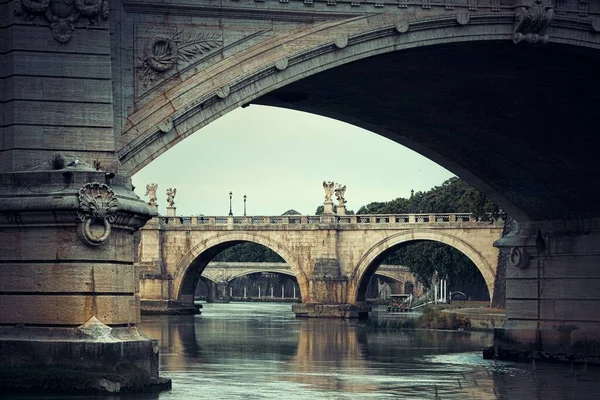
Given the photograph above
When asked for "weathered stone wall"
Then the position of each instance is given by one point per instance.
(553, 290)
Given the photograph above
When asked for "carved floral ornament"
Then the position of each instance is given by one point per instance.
(97, 204)
(62, 14)
(163, 52)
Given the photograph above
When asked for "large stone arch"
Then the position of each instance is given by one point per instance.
(184, 275)
(275, 63)
(367, 264)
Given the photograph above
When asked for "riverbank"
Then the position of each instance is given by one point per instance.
(481, 318)
(441, 317)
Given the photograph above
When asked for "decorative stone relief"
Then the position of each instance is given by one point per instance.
(222, 92)
(402, 26)
(462, 18)
(166, 125)
(522, 243)
(531, 23)
(341, 42)
(164, 52)
(97, 203)
(281, 64)
(518, 257)
(62, 14)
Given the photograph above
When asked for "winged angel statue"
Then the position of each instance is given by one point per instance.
(328, 186)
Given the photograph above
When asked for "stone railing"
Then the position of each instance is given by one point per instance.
(370, 219)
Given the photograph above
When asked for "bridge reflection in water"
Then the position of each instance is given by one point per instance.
(257, 350)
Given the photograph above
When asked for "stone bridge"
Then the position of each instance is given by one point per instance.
(332, 257)
(216, 273)
(504, 93)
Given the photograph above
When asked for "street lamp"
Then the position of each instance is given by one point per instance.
(230, 195)
(245, 205)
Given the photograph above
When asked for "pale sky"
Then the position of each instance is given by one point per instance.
(279, 158)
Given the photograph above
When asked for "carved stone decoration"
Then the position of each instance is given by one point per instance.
(222, 92)
(341, 42)
(522, 243)
(518, 257)
(163, 52)
(462, 18)
(166, 125)
(62, 14)
(97, 204)
(531, 23)
(402, 26)
(281, 64)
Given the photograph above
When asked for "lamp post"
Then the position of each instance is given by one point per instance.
(230, 195)
(245, 205)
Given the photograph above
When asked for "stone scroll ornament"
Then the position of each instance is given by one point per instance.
(531, 23)
(62, 14)
(98, 204)
(164, 52)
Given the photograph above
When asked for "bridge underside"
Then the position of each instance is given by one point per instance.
(519, 122)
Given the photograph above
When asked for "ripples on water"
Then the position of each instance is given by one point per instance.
(261, 351)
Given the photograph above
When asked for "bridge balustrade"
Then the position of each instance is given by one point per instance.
(316, 219)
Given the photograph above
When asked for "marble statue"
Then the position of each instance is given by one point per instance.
(328, 186)
(171, 196)
(151, 193)
(340, 191)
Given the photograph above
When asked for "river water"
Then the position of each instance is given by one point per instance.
(261, 351)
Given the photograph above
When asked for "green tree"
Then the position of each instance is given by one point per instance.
(424, 258)
(248, 252)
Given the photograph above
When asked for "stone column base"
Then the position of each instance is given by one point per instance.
(545, 345)
(168, 307)
(316, 310)
(61, 361)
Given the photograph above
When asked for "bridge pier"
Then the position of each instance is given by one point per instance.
(328, 294)
(221, 292)
(69, 301)
(552, 291)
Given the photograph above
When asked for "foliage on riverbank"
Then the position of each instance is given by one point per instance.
(430, 319)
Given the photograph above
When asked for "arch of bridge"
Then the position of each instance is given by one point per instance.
(367, 261)
(275, 63)
(391, 276)
(241, 273)
(181, 271)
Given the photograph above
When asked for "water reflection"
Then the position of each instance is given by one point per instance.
(261, 351)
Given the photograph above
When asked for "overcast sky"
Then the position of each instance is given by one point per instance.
(279, 158)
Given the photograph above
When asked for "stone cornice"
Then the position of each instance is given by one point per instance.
(320, 10)
(414, 25)
(50, 198)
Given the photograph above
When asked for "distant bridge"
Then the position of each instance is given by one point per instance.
(397, 277)
(332, 256)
